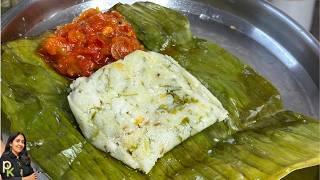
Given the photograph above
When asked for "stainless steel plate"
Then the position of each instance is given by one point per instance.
(256, 32)
(260, 35)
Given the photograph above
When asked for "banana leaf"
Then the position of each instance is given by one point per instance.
(244, 93)
(260, 140)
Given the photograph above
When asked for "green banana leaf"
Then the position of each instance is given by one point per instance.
(244, 93)
(258, 141)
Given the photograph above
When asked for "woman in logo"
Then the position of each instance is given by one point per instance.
(15, 162)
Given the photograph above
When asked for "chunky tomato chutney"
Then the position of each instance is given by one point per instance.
(89, 42)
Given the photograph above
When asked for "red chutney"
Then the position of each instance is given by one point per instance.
(89, 42)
